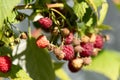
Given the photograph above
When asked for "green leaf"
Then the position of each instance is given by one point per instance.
(98, 3)
(104, 27)
(62, 75)
(92, 4)
(12, 17)
(38, 62)
(16, 73)
(107, 63)
(80, 9)
(103, 13)
(89, 23)
(27, 1)
(58, 65)
(6, 7)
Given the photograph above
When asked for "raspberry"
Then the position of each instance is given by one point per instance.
(85, 39)
(95, 51)
(99, 42)
(42, 41)
(59, 53)
(76, 41)
(75, 65)
(87, 49)
(69, 38)
(45, 22)
(87, 60)
(5, 64)
(78, 48)
(69, 52)
(65, 31)
(23, 35)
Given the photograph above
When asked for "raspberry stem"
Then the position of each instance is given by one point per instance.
(61, 16)
(56, 5)
(29, 29)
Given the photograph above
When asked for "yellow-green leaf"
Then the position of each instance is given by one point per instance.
(60, 73)
(103, 13)
(6, 7)
(80, 9)
(107, 63)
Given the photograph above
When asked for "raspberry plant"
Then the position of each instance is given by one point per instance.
(72, 33)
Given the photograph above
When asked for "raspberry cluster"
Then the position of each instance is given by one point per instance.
(78, 51)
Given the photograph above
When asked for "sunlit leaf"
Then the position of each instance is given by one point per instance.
(92, 4)
(80, 9)
(103, 13)
(6, 6)
(89, 23)
(62, 75)
(107, 63)
(98, 3)
(104, 27)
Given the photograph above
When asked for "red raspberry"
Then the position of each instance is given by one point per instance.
(69, 38)
(45, 22)
(75, 65)
(42, 41)
(87, 49)
(5, 64)
(99, 42)
(69, 52)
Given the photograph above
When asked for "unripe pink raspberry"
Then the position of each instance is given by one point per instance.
(76, 41)
(5, 64)
(59, 53)
(45, 22)
(99, 42)
(69, 52)
(42, 41)
(65, 31)
(87, 60)
(75, 65)
(69, 38)
(87, 49)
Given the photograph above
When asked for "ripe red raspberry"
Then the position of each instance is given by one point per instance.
(69, 38)
(75, 65)
(5, 64)
(87, 49)
(45, 22)
(69, 52)
(42, 41)
(99, 42)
